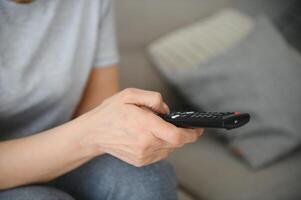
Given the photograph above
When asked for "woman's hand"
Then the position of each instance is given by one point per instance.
(125, 127)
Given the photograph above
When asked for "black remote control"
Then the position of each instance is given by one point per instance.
(194, 119)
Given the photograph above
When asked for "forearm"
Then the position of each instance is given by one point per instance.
(42, 157)
(47, 155)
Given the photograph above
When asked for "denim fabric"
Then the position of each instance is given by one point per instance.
(108, 178)
(34, 193)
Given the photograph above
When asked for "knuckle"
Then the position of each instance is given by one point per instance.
(128, 92)
(158, 97)
(195, 138)
(177, 139)
(135, 164)
(144, 144)
(139, 163)
(141, 151)
(198, 133)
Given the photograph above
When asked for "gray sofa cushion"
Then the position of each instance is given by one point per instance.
(257, 75)
(209, 171)
(284, 14)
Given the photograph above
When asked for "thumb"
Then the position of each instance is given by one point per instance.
(149, 99)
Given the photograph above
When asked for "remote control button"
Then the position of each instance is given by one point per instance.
(175, 116)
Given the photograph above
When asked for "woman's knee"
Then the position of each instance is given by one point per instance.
(156, 181)
(109, 178)
(34, 193)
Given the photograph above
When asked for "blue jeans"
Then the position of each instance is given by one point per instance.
(104, 178)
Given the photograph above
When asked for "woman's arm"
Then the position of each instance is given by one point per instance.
(47, 155)
(119, 126)
(103, 83)
(42, 157)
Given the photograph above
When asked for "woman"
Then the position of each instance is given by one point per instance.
(57, 63)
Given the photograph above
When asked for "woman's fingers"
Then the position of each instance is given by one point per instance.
(149, 99)
(174, 135)
(141, 161)
(126, 127)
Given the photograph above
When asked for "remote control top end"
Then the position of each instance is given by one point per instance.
(193, 119)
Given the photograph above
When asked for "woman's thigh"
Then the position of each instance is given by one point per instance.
(34, 193)
(108, 178)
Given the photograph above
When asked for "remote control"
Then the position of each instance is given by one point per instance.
(194, 119)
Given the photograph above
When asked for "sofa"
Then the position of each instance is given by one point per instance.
(206, 170)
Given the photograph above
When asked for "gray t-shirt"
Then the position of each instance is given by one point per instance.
(47, 50)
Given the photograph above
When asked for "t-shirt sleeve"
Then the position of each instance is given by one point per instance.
(106, 50)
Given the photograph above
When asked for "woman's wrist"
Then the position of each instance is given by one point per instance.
(82, 138)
